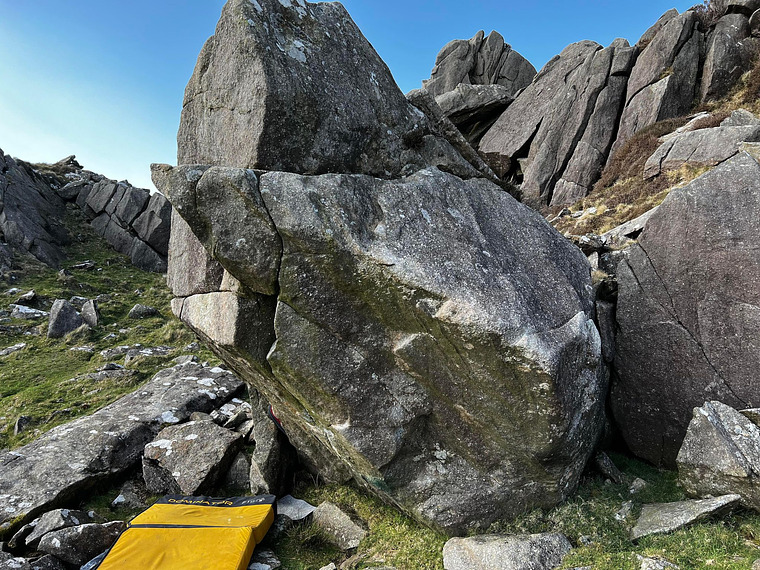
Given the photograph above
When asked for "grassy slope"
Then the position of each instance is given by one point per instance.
(43, 380)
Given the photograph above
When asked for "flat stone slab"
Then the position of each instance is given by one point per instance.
(71, 458)
(506, 552)
(661, 518)
(294, 509)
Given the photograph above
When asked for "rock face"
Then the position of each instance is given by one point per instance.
(721, 454)
(688, 308)
(529, 552)
(30, 213)
(703, 147)
(479, 61)
(73, 457)
(557, 132)
(394, 284)
(309, 95)
(730, 53)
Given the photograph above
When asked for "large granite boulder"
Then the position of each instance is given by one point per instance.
(687, 310)
(663, 82)
(474, 108)
(30, 213)
(558, 132)
(721, 454)
(430, 336)
(303, 91)
(479, 61)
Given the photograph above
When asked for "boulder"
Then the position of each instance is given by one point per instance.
(558, 128)
(687, 310)
(31, 213)
(90, 313)
(294, 509)
(721, 454)
(506, 552)
(63, 319)
(730, 53)
(132, 203)
(55, 520)
(407, 288)
(77, 545)
(105, 445)
(666, 517)
(338, 526)
(309, 95)
(101, 195)
(663, 82)
(474, 108)
(703, 147)
(143, 312)
(479, 61)
(654, 563)
(195, 455)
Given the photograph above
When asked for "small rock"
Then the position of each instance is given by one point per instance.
(340, 529)
(28, 299)
(87, 348)
(46, 562)
(27, 313)
(63, 319)
(625, 511)
(12, 349)
(80, 544)
(13, 291)
(185, 359)
(90, 313)
(102, 298)
(637, 486)
(18, 540)
(756, 564)
(654, 563)
(264, 559)
(143, 312)
(132, 495)
(193, 347)
(21, 424)
(55, 520)
(155, 351)
(330, 566)
(84, 266)
(294, 509)
(506, 552)
(78, 302)
(666, 517)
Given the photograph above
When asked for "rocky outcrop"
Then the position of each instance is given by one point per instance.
(557, 132)
(479, 61)
(704, 147)
(687, 310)
(730, 53)
(74, 457)
(509, 552)
(721, 454)
(30, 213)
(302, 100)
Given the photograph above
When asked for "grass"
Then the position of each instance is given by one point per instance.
(46, 380)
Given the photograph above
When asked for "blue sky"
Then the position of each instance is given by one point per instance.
(104, 80)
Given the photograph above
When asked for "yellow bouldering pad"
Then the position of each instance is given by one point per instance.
(188, 533)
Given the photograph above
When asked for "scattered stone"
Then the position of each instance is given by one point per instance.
(637, 486)
(193, 347)
(147, 352)
(721, 454)
(22, 312)
(338, 526)
(662, 518)
(185, 359)
(132, 495)
(264, 559)
(654, 563)
(55, 520)
(86, 348)
(294, 509)
(12, 349)
(28, 299)
(506, 552)
(90, 313)
(330, 566)
(143, 312)
(79, 544)
(46, 562)
(111, 353)
(64, 319)
(106, 444)
(625, 511)
(85, 266)
(195, 455)
(21, 424)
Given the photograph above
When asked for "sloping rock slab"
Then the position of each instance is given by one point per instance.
(437, 332)
(721, 454)
(661, 518)
(703, 147)
(688, 310)
(341, 530)
(73, 457)
(529, 552)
